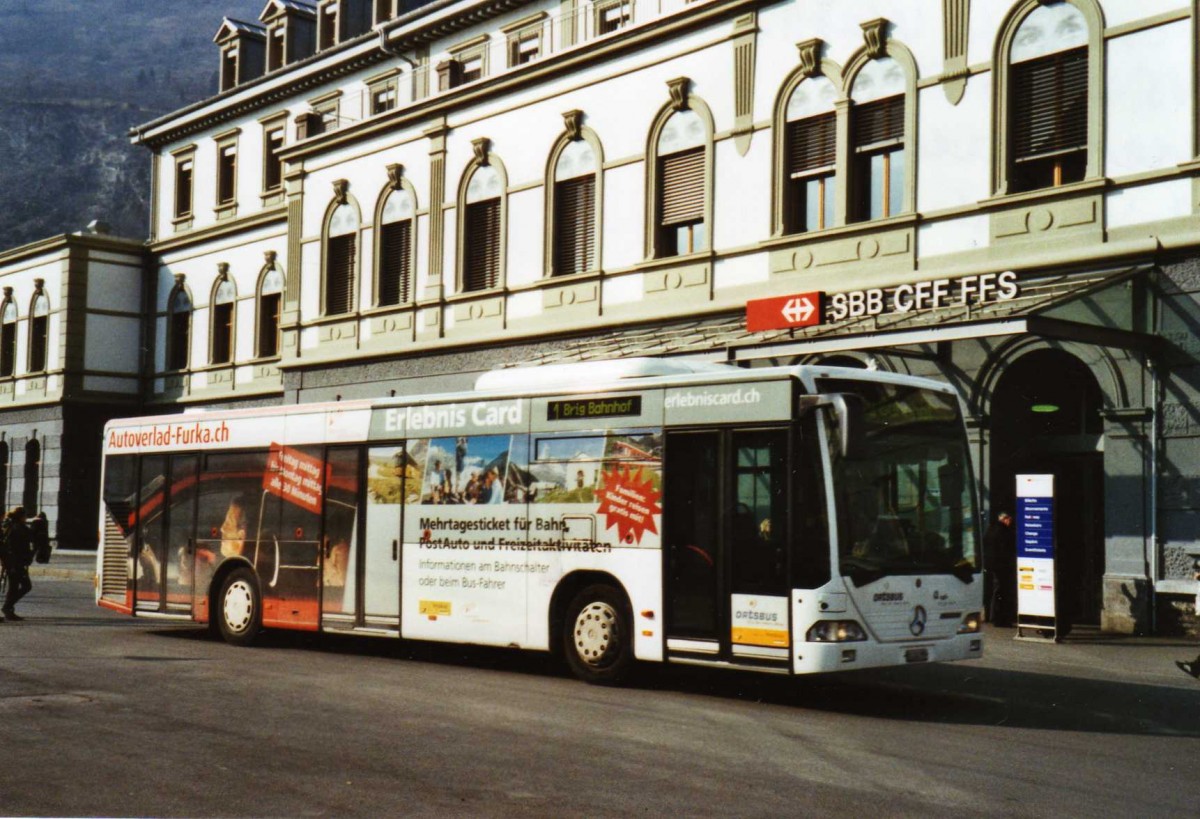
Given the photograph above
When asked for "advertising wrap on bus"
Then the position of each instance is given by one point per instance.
(724, 516)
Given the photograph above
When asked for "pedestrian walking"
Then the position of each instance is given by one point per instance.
(1192, 667)
(18, 555)
(1000, 563)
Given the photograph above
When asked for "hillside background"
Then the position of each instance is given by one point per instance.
(75, 76)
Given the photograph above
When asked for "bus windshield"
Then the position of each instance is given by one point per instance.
(904, 491)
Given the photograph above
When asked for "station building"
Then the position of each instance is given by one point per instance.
(391, 197)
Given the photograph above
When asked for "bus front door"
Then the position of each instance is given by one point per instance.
(726, 526)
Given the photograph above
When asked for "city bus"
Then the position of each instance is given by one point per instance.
(788, 519)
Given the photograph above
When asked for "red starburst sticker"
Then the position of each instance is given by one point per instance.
(629, 501)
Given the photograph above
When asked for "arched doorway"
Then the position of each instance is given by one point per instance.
(1045, 419)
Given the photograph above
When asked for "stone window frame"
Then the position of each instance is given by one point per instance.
(185, 156)
(341, 197)
(271, 265)
(270, 124)
(222, 278)
(8, 341)
(39, 294)
(387, 81)
(811, 66)
(574, 130)
(170, 337)
(396, 181)
(599, 9)
(878, 45)
(328, 110)
(383, 10)
(1094, 16)
(226, 141)
(461, 53)
(522, 30)
(483, 157)
(681, 99)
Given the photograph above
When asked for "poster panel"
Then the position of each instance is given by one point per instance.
(1035, 545)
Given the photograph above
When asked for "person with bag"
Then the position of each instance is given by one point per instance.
(19, 555)
(39, 528)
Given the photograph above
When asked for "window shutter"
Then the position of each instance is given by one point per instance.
(395, 247)
(879, 122)
(339, 275)
(681, 187)
(481, 251)
(1050, 104)
(812, 143)
(574, 225)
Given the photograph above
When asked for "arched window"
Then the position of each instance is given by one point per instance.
(270, 301)
(810, 156)
(223, 309)
(681, 157)
(575, 209)
(33, 472)
(394, 276)
(878, 156)
(179, 328)
(39, 332)
(483, 229)
(1048, 99)
(341, 249)
(8, 337)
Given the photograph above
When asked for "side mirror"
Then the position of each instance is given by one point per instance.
(848, 415)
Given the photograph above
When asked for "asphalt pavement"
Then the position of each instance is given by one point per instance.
(1086, 653)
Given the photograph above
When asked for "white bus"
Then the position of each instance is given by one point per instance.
(790, 520)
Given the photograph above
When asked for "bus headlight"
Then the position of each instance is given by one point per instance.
(835, 631)
(970, 624)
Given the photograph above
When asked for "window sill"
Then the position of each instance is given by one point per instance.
(904, 220)
(274, 196)
(476, 295)
(182, 223)
(1092, 185)
(226, 211)
(385, 309)
(555, 281)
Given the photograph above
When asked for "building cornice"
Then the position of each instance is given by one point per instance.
(415, 28)
(554, 65)
(265, 217)
(71, 241)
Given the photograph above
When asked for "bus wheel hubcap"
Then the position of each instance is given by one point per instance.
(595, 632)
(239, 605)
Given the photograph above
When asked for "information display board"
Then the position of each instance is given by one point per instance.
(1035, 546)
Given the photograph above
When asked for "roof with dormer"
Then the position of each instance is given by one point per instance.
(307, 8)
(232, 27)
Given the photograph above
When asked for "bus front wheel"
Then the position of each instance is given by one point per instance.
(239, 609)
(598, 637)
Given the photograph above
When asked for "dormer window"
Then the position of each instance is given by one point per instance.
(229, 66)
(327, 25)
(291, 32)
(341, 20)
(384, 10)
(243, 52)
(276, 48)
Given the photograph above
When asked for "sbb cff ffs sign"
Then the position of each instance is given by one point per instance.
(783, 312)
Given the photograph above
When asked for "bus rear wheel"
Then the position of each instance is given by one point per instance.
(597, 636)
(239, 608)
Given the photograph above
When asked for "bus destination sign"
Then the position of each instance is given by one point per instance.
(580, 408)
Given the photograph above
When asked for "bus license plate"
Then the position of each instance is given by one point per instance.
(916, 655)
